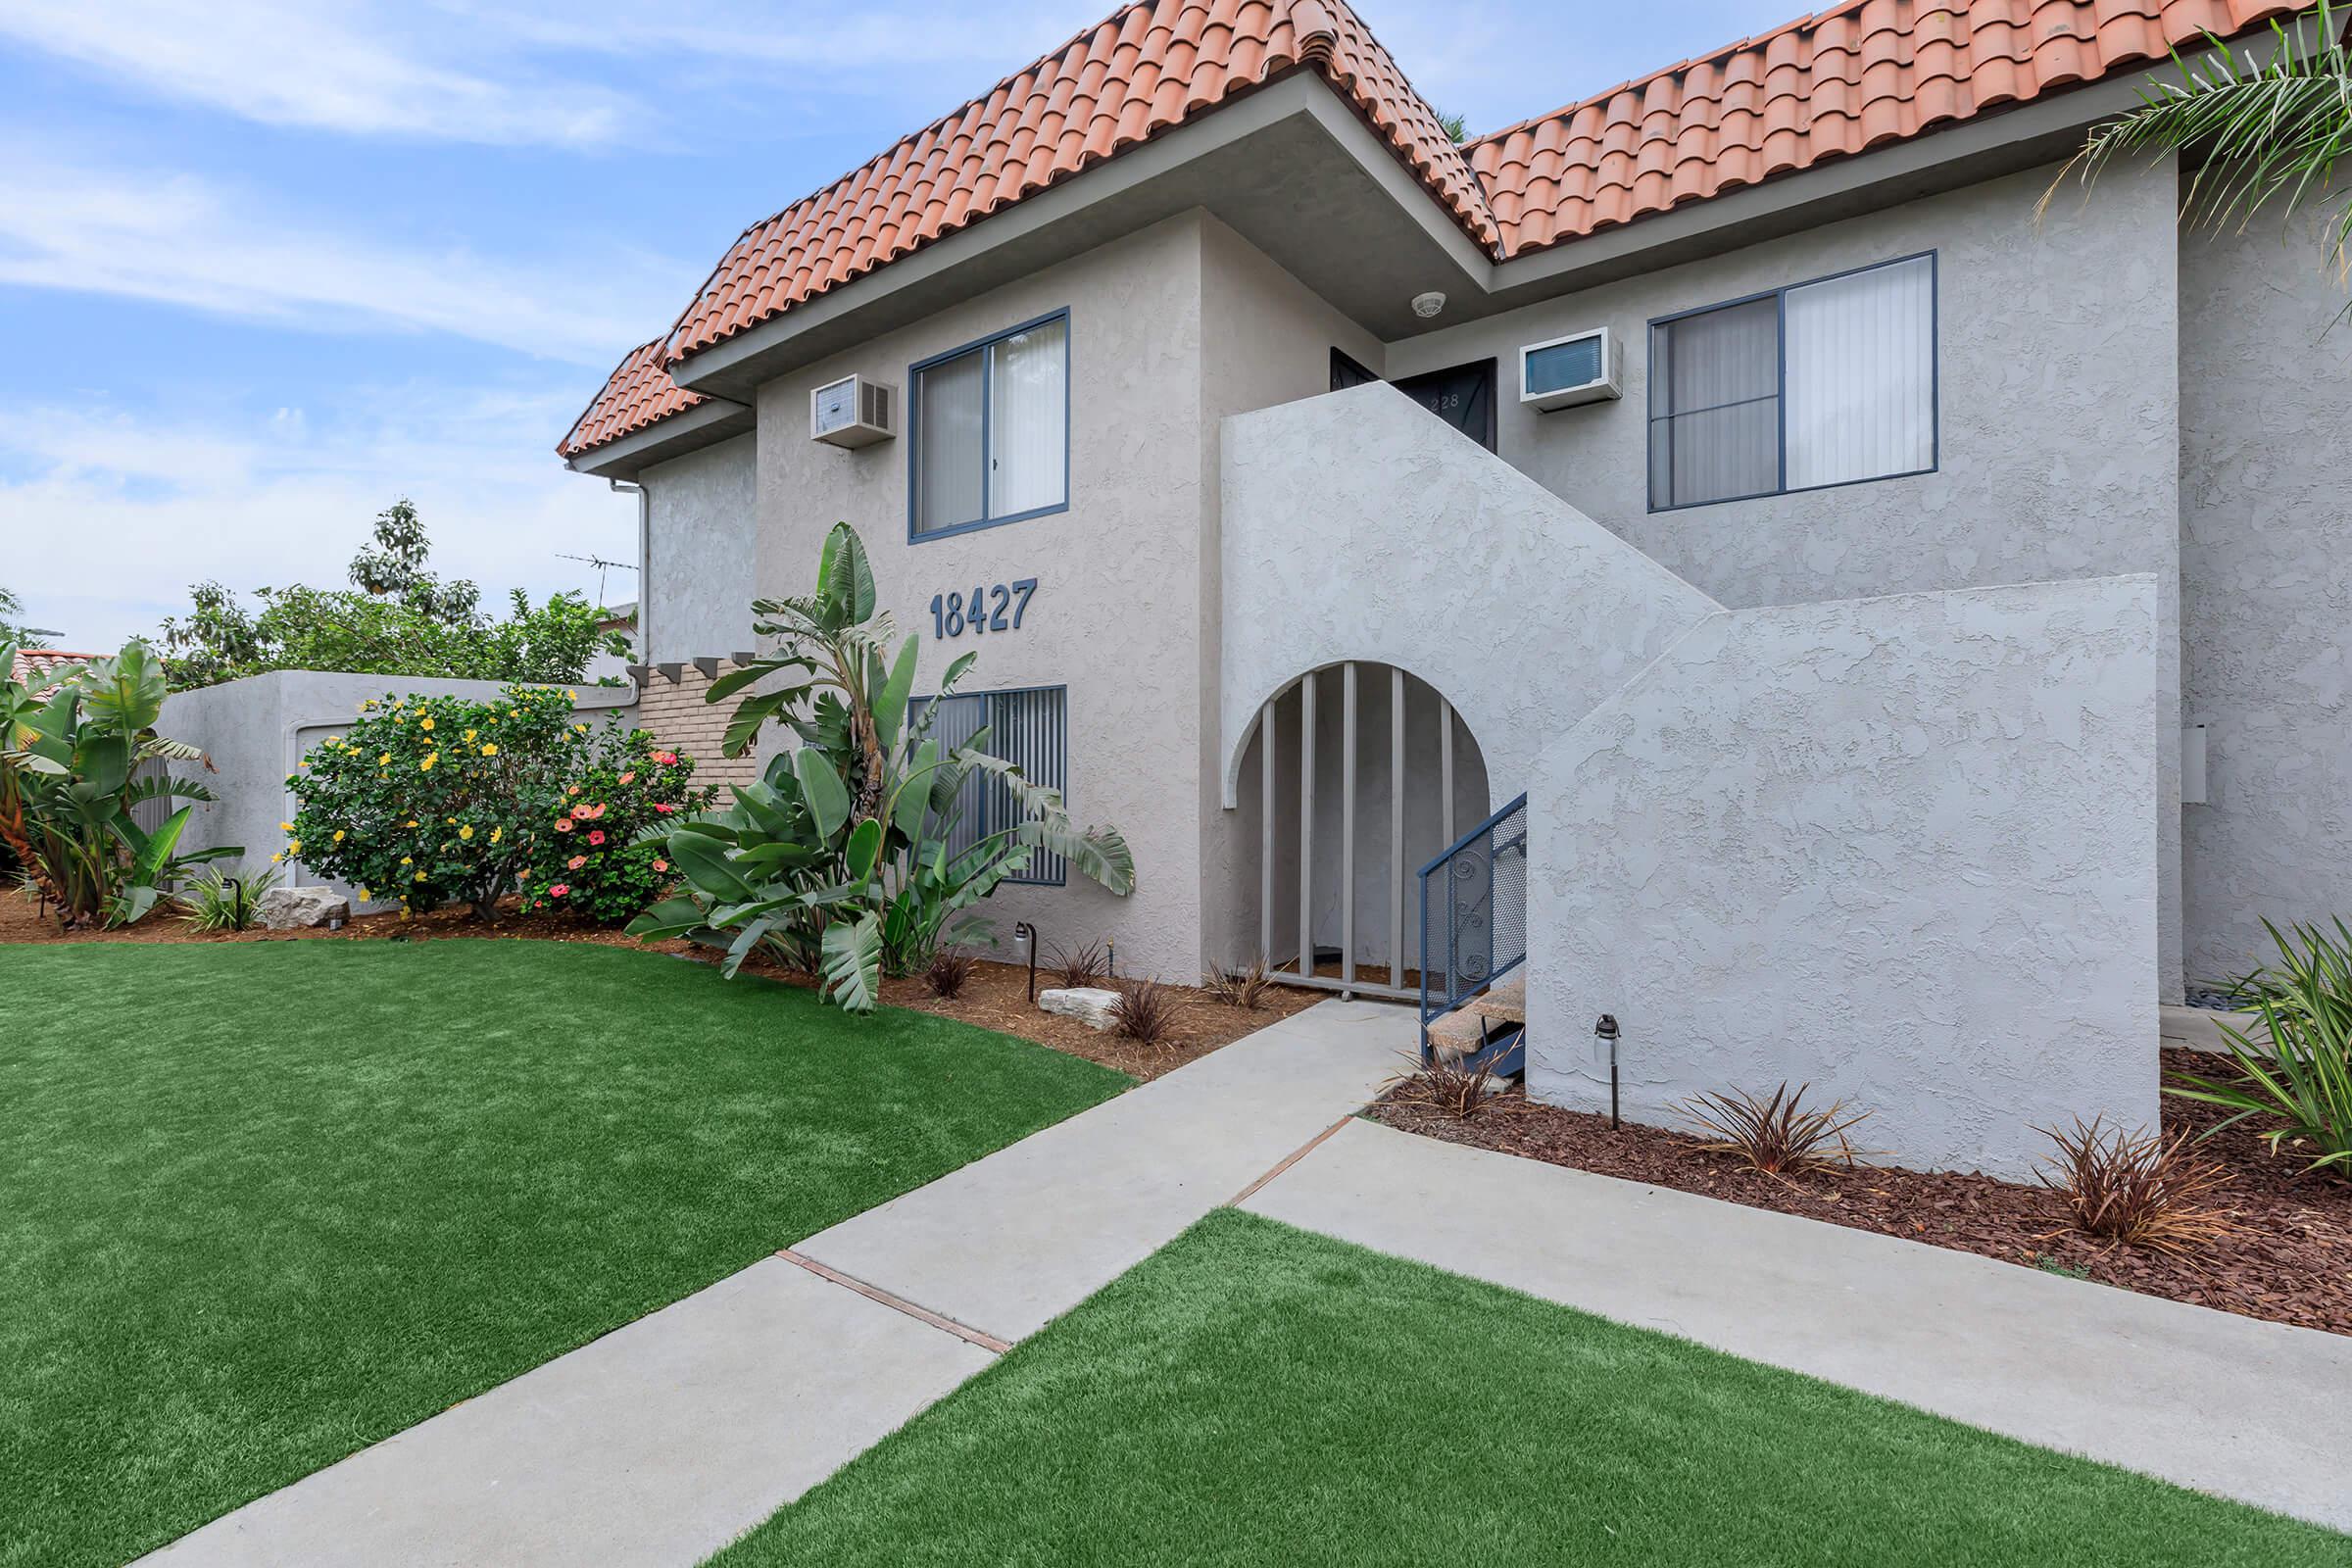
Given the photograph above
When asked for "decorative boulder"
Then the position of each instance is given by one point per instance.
(284, 908)
(1089, 1004)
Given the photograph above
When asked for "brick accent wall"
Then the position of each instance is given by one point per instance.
(671, 704)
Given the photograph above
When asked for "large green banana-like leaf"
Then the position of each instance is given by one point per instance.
(852, 960)
(671, 917)
(827, 797)
(752, 714)
(162, 786)
(124, 693)
(863, 849)
(705, 861)
(745, 941)
(915, 792)
(845, 578)
(890, 708)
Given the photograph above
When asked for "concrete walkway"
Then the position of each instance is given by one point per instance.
(661, 1442)
(2226, 1404)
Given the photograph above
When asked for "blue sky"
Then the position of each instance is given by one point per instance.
(265, 267)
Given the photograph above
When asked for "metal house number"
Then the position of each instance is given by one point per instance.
(994, 606)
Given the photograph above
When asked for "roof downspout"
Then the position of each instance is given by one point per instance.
(645, 566)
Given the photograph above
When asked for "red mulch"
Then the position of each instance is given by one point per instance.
(2290, 1259)
(996, 997)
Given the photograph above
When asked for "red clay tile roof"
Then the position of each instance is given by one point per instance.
(45, 662)
(637, 394)
(1824, 86)
(1830, 85)
(1142, 71)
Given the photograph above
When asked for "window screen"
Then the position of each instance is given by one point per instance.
(992, 430)
(1820, 384)
(1027, 728)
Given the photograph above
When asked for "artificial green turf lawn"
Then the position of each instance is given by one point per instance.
(262, 1205)
(1259, 1395)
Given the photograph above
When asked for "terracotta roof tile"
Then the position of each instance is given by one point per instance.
(1825, 86)
(1138, 73)
(638, 393)
(1829, 86)
(42, 663)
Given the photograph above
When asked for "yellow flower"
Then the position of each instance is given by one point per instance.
(470, 734)
(489, 750)
(466, 831)
(582, 728)
(411, 823)
(365, 895)
(430, 758)
(385, 760)
(403, 908)
(497, 833)
(407, 859)
(285, 827)
(420, 876)
(280, 855)
(334, 739)
(513, 712)
(451, 820)
(293, 845)
(339, 835)
(426, 722)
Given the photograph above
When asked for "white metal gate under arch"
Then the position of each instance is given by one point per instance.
(1363, 773)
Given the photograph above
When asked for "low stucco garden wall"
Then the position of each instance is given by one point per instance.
(253, 731)
(1895, 848)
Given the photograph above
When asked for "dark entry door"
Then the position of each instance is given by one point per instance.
(1464, 396)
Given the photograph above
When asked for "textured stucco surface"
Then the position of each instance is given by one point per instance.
(255, 731)
(1357, 526)
(2266, 590)
(1116, 612)
(1872, 845)
(701, 527)
(2057, 402)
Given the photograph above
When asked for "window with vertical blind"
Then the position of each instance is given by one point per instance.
(1824, 383)
(1028, 728)
(990, 435)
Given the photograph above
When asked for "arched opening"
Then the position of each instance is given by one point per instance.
(1352, 777)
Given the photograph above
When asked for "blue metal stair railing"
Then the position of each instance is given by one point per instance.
(1474, 925)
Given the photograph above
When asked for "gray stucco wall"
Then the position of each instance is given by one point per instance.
(1871, 846)
(701, 553)
(2266, 406)
(2057, 411)
(1357, 526)
(1118, 611)
(255, 731)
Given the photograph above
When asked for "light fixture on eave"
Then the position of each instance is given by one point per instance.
(1428, 303)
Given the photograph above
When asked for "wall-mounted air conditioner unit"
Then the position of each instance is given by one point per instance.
(1562, 372)
(854, 411)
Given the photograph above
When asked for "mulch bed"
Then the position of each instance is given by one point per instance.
(995, 998)
(2290, 1261)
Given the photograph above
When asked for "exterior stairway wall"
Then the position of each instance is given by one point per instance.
(1357, 526)
(1893, 847)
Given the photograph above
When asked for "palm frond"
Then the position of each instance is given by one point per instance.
(2264, 131)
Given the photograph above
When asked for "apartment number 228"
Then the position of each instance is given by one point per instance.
(997, 607)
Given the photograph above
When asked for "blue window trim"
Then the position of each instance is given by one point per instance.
(914, 432)
(1780, 298)
(1061, 879)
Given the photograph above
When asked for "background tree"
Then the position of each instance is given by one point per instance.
(398, 617)
(2263, 135)
(14, 630)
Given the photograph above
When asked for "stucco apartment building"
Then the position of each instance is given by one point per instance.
(1914, 615)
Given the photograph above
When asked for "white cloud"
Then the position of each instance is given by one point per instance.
(183, 240)
(306, 63)
(115, 514)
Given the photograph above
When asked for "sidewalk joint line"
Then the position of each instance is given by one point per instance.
(1293, 1158)
(899, 1303)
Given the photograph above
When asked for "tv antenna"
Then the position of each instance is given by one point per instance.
(602, 566)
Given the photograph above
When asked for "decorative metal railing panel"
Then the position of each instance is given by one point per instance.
(1474, 911)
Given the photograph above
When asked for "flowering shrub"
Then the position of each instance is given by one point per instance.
(588, 863)
(437, 800)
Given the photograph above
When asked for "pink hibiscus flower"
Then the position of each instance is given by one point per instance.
(666, 758)
(597, 837)
(661, 865)
(576, 862)
(629, 778)
(664, 807)
(556, 890)
(563, 824)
